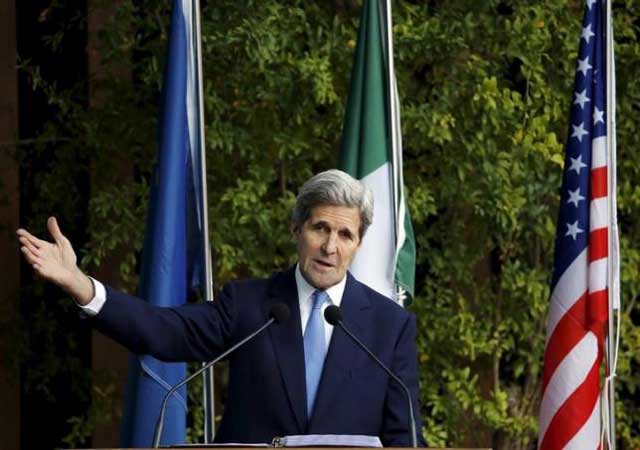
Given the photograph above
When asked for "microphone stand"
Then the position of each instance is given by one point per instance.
(160, 423)
(412, 425)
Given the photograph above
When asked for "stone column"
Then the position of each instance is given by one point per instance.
(9, 250)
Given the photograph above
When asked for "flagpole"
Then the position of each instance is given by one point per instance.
(611, 279)
(392, 107)
(208, 381)
(395, 133)
(396, 157)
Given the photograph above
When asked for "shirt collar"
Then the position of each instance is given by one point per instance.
(305, 290)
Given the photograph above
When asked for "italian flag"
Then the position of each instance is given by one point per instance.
(372, 151)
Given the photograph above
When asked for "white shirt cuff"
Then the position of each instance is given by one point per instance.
(97, 302)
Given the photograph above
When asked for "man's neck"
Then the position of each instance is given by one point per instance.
(306, 289)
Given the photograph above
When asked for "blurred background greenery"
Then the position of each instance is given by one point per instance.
(485, 89)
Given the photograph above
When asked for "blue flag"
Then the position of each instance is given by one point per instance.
(172, 253)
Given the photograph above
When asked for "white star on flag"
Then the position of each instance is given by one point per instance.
(587, 33)
(577, 164)
(581, 98)
(574, 413)
(584, 66)
(598, 116)
(573, 230)
(579, 131)
(575, 197)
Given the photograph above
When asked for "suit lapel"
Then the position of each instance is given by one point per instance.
(287, 344)
(343, 353)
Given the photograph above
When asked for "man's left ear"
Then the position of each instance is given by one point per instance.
(295, 231)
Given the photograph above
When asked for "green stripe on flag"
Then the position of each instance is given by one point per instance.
(406, 261)
(367, 153)
(366, 133)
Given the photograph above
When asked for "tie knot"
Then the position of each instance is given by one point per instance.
(319, 297)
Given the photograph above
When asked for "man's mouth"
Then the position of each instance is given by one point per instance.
(323, 263)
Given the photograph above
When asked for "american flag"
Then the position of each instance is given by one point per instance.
(570, 416)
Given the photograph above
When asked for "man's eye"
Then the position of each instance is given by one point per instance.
(346, 235)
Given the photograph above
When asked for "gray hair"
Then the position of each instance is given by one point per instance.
(337, 188)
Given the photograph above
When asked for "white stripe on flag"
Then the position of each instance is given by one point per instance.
(599, 214)
(598, 275)
(598, 152)
(373, 264)
(568, 290)
(568, 376)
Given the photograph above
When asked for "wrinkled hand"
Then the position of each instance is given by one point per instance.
(56, 261)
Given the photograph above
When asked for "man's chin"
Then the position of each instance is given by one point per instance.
(323, 281)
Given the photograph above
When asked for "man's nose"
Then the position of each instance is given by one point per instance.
(330, 244)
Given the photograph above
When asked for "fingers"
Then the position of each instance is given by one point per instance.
(54, 229)
(25, 236)
(31, 257)
(29, 245)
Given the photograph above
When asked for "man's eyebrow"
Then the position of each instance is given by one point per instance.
(324, 223)
(348, 230)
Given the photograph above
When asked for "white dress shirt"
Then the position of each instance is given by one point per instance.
(305, 300)
(99, 297)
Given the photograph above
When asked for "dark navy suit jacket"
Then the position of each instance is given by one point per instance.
(266, 392)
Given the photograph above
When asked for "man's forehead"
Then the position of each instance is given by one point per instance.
(339, 216)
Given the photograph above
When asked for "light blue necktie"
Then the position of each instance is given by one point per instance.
(315, 348)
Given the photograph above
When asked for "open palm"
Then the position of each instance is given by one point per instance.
(54, 261)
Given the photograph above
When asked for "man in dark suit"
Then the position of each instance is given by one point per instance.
(302, 376)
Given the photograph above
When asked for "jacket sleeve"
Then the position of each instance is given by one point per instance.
(395, 427)
(194, 332)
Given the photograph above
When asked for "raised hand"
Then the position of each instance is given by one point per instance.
(56, 261)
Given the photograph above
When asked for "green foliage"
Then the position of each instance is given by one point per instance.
(485, 113)
(485, 90)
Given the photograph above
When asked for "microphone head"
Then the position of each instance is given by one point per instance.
(279, 312)
(333, 315)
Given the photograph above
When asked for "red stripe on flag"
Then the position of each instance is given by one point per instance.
(599, 182)
(573, 413)
(598, 309)
(598, 244)
(568, 332)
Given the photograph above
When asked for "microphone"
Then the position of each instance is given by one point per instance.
(333, 315)
(278, 313)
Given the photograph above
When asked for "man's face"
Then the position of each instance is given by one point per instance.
(327, 243)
